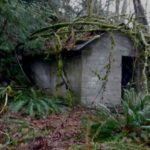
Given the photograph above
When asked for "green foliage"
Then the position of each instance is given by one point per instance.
(105, 130)
(135, 121)
(33, 103)
(71, 98)
(3, 91)
(104, 126)
(136, 109)
(18, 20)
(10, 72)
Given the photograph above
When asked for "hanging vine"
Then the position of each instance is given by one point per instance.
(145, 65)
(61, 70)
(67, 34)
(104, 78)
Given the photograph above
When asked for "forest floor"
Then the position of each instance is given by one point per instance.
(67, 131)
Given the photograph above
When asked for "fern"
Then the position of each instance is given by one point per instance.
(18, 105)
(136, 108)
(35, 104)
(135, 119)
(105, 130)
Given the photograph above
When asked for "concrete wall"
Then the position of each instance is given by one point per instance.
(95, 57)
(81, 70)
(73, 70)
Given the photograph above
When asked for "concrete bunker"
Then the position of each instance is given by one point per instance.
(94, 70)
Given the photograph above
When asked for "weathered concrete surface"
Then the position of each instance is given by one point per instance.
(95, 57)
(73, 70)
(82, 71)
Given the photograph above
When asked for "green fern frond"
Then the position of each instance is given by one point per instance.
(30, 108)
(18, 105)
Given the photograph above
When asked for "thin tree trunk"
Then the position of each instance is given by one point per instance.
(117, 6)
(124, 7)
(107, 6)
(100, 4)
(90, 6)
(117, 9)
(124, 11)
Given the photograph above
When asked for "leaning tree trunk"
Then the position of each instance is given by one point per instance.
(117, 10)
(140, 12)
(141, 18)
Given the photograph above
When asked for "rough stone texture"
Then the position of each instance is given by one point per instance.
(81, 70)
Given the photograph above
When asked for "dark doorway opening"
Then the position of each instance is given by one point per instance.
(127, 72)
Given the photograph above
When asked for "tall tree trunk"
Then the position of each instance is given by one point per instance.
(117, 7)
(90, 4)
(141, 18)
(124, 7)
(123, 11)
(117, 10)
(107, 7)
(99, 7)
(140, 12)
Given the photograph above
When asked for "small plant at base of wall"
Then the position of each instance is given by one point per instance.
(34, 103)
(134, 123)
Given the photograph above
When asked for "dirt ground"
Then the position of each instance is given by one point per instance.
(56, 132)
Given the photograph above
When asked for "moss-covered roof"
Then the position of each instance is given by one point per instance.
(75, 35)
